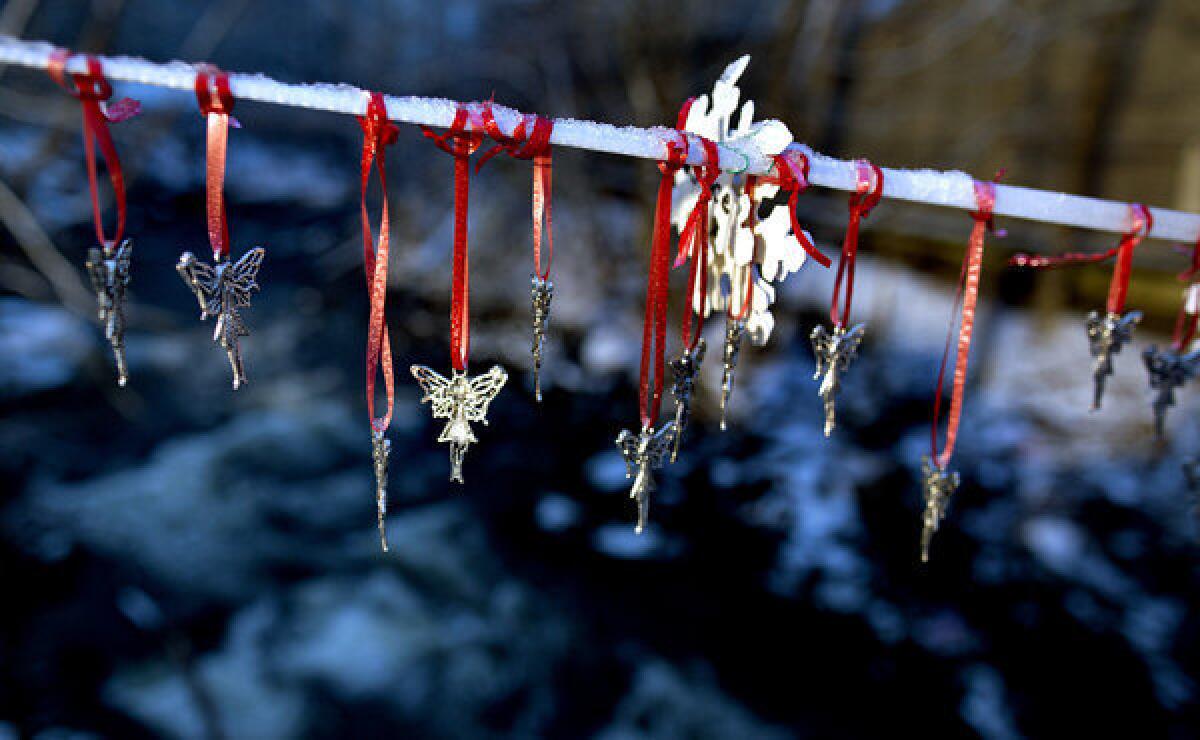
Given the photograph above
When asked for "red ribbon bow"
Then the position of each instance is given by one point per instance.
(216, 105)
(461, 144)
(966, 299)
(92, 90)
(529, 142)
(793, 179)
(378, 133)
(1141, 222)
(867, 195)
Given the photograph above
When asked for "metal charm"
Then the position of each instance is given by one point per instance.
(221, 290)
(834, 354)
(381, 447)
(461, 400)
(1106, 336)
(735, 330)
(1168, 370)
(108, 268)
(644, 453)
(541, 294)
(684, 371)
(939, 486)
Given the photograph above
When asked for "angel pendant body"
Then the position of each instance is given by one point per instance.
(1168, 370)
(108, 268)
(939, 485)
(735, 331)
(1106, 337)
(684, 371)
(644, 453)
(221, 290)
(460, 400)
(834, 353)
(541, 294)
(381, 448)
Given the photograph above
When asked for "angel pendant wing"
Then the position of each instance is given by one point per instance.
(1106, 336)
(108, 270)
(460, 400)
(221, 290)
(644, 453)
(834, 352)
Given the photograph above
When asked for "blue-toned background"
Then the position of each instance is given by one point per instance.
(179, 560)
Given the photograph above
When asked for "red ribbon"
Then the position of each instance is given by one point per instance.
(654, 325)
(693, 243)
(92, 89)
(1141, 222)
(967, 298)
(461, 144)
(529, 141)
(216, 105)
(751, 220)
(793, 179)
(1186, 323)
(378, 133)
(868, 194)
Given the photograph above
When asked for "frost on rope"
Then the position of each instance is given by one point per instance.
(768, 252)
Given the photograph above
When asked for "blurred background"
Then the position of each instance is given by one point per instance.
(179, 560)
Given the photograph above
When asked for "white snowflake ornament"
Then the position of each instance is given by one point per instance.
(767, 252)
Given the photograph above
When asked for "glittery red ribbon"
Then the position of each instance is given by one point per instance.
(1186, 323)
(868, 193)
(654, 325)
(378, 133)
(216, 104)
(1141, 222)
(92, 89)
(461, 144)
(792, 176)
(693, 245)
(967, 298)
(529, 140)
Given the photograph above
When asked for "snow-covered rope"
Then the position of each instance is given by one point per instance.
(949, 189)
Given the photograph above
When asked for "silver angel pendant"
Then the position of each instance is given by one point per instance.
(644, 453)
(735, 331)
(541, 294)
(1106, 337)
(1167, 370)
(381, 448)
(939, 485)
(683, 387)
(108, 268)
(461, 401)
(834, 352)
(221, 290)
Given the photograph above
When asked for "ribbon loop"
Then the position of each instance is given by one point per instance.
(654, 325)
(461, 144)
(693, 245)
(378, 133)
(867, 195)
(793, 179)
(966, 299)
(92, 90)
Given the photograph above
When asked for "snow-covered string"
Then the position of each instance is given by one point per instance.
(93, 91)
(378, 133)
(966, 298)
(460, 144)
